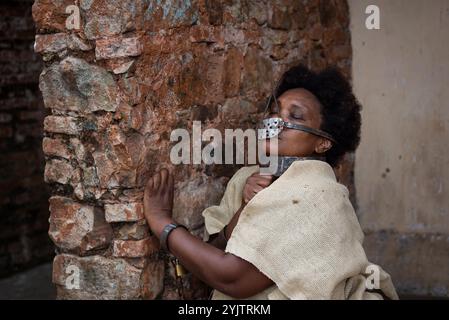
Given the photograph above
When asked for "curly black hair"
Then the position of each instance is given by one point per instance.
(340, 109)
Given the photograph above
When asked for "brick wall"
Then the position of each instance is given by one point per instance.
(23, 193)
(117, 87)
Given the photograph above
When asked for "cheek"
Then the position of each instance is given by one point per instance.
(296, 143)
(271, 146)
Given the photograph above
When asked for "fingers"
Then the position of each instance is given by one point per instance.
(156, 181)
(164, 179)
(161, 182)
(265, 181)
(249, 194)
(254, 184)
(150, 184)
(171, 183)
(261, 180)
(257, 188)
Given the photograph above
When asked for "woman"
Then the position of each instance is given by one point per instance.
(295, 237)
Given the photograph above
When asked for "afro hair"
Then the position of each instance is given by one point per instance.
(340, 109)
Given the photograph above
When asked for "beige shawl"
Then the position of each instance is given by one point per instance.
(302, 233)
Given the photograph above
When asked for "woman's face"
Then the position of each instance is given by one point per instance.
(298, 106)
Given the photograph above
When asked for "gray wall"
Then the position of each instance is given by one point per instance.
(400, 75)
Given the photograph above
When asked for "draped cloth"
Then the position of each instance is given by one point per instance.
(302, 233)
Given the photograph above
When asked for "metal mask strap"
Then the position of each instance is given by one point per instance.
(269, 103)
(316, 132)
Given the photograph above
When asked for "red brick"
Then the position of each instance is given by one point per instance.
(50, 43)
(60, 124)
(118, 47)
(99, 278)
(153, 279)
(135, 248)
(56, 147)
(77, 227)
(60, 171)
(124, 212)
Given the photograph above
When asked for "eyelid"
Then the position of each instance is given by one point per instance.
(296, 116)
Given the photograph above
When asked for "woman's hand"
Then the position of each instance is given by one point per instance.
(158, 200)
(254, 184)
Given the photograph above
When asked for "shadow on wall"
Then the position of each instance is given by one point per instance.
(24, 241)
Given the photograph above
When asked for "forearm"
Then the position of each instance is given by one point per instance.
(210, 264)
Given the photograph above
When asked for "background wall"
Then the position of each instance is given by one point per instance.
(117, 87)
(401, 76)
(23, 194)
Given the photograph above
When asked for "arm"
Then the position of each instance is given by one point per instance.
(254, 184)
(220, 239)
(223, 271)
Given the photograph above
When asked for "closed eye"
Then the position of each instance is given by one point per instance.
(297, 117)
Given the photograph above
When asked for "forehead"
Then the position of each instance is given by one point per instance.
(300, 97)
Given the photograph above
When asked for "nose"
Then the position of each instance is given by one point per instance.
(273, 114)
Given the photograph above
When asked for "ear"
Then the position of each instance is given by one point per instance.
(323, 145)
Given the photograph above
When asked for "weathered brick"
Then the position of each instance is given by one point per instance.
(257, 72)
(50, 43)
(60, 171)
(76, 85)
(108, 18)
(118, 47)
(279, 17)
(192, 196)
(49, 15)
(204, 33)
(61, 124)
(232, 69)
(99, 278)
(78, 149)
(258, 11)
(57, 42)
(76, 227)
(135, 91)
(56, 147)
(77, 43)
(135, 248)
(153, 279)
(133, 231)
(179, 13)
(123, 67)
(124, 212)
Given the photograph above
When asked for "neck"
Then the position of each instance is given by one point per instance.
(285, 162)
